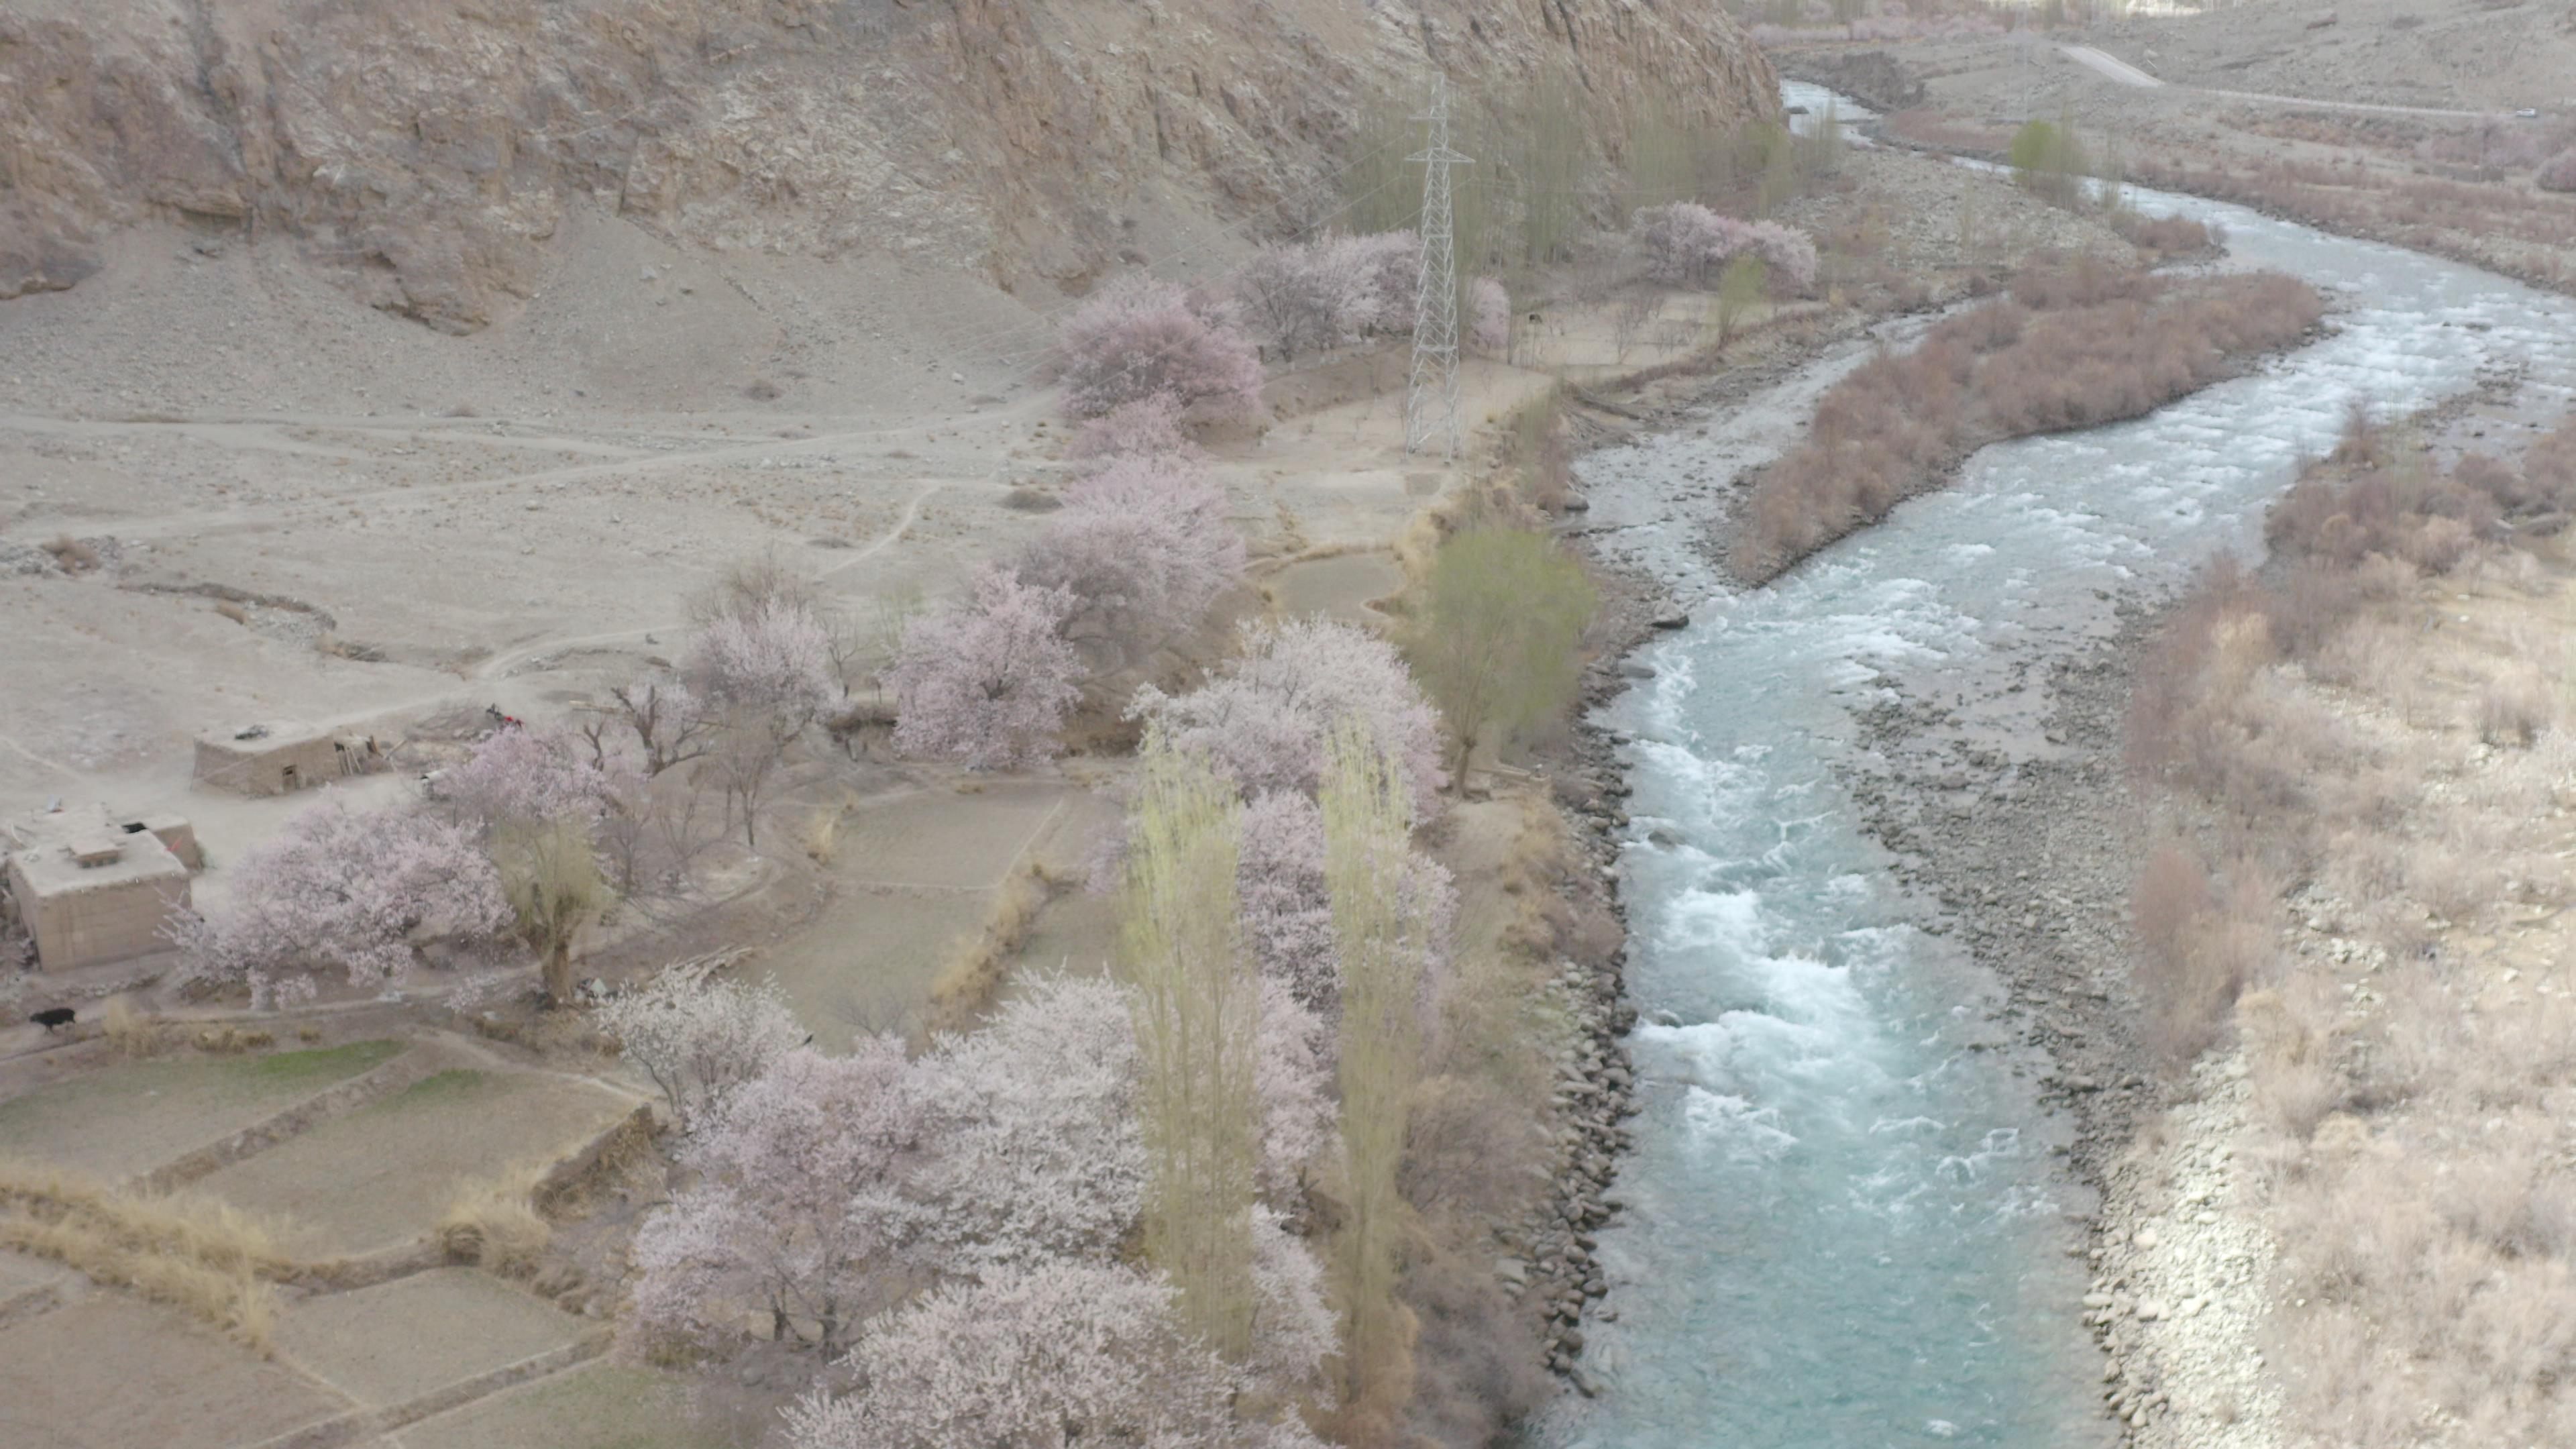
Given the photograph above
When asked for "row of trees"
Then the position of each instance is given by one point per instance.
(951, 1234)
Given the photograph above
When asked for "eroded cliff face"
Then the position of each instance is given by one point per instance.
(429, 147)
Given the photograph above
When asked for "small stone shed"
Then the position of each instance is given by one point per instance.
(93, 888)
(279, 759)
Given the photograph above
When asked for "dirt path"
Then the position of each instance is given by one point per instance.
(263, 436)
(2112, 68)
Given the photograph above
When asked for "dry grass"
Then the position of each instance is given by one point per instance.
(129, 1031)
(233, 611)
(204, 1257)
(2408, 1001)
(821, 835)
(977, 965)
(72, 555)
(493, 1223)
(2079, 343)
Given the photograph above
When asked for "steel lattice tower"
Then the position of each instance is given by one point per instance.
(1431, 400)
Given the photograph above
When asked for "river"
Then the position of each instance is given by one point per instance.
(1848, 1224)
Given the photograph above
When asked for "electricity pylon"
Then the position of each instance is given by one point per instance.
(1431, 399)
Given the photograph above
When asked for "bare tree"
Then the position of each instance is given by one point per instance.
(670, 724)
(1630, 321)
(743, 765)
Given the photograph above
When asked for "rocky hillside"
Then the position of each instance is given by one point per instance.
(427, 149)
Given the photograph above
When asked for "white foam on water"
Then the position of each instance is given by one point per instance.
(1847, 1218)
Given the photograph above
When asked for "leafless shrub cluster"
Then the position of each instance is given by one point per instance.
(2166, 236)
(2522, 233)
(2383, 770)
(2079, 342)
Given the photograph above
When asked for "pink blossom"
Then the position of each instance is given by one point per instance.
(1787, 250)
(1140, 337)
(1489, 317)
(344, 891)
(698, 1039)
(1148, 427)
(798, 1195)
(1280, 883)
(1685, 242)
(1291, 1079)
(1393, 261)
(1304, 298)
(1294, 1330)
(1142, 547)
(1264, 720)
(1034, 1123)
(774, 658)
(1054, 1355)
(524, 774)
(987, 680)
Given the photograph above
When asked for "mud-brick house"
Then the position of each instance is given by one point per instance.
(93, 888)
(280, 759)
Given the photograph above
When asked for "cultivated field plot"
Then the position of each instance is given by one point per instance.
(123, 1121)
(940, 839)
(596, 1406)
(114, 1373)
(381, 1176)
(911, 876)
(1338, 588)
(396, 1341)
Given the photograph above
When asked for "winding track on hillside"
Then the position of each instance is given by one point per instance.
(2110, 67)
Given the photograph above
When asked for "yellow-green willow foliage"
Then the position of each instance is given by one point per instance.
(1197, 1006)
(1368, 829)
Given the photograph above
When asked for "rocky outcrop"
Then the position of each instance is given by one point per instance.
(429, 147)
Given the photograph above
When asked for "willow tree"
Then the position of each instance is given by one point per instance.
(1503, 616)
(550, 875)
(1196, 1002)
(1383, 944)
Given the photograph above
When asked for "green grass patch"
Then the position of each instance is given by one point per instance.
(322, 1065)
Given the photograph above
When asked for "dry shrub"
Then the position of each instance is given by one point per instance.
(2406, 1093)
(72, 555)
(1540, 451)
(1475, 1356)
(976, 965)
(131, 1032)
(2514, 707)
(2082, 341)
(493, 1223)
(225, 1041)
(2166, 236)
(233, 611)
(2288, 1036)
(822, 834)
(204, 1257)
(2086, 279)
